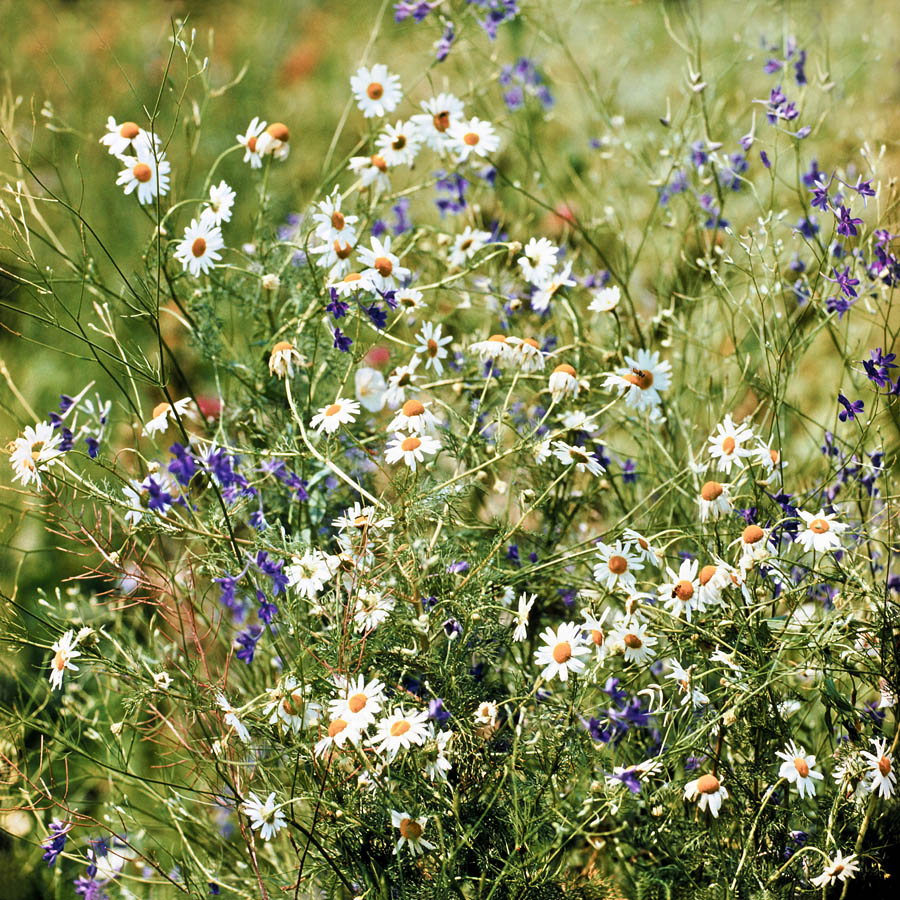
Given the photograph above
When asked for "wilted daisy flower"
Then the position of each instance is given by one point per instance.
(495, 347)
(372, 608)
(332, 224)
(434, 124)
(410, 449)
(486, 714)
(797, 768)
(563, 381)
(360, 517)
(414, 416)
(283, 358)
(642, 546)
(683, 677)
(712, 580)
(839, 869)
(231, 718)
(755, 547)
(466, 244)
(64, 651)
(266, 817)
(522, 614)
(330, 418)
(605, 299)
(37, 447)
(370, 388)
(474, 137)
(594, 627)
(729, 443)
(680, 592)
(767, 456)
(714, 501)
(570, 455)
(119, 139)
(710, 791)
(411, 831)
(147, 172)
(561, 651)
(821, 532)
(311, 572)
(289, 706)
(221, 200)
(376, 90)
(617, 565)
(198, 251)
(432, 346)
(881, 774)
(526, 354)
(159, 420)
(398, 144)
(642, 381)
(382, 267)
(249, 140)
(399, 731)
(339, 733)
(547, 290)
(274, 141)
(372, 171)
(634, 640)
(359, 703)
(539, 260)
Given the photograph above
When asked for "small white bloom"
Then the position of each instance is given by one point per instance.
(330, 418)
(798, 767)
(221, 200)
(410, 449)
(198, 251)
(710, 791)
(64, 651)
(265, 817)
(560, 652)
(411, 831)
(821, 532)
(376, 90)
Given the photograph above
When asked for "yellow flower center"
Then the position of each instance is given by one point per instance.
(333, 410)
(336, 727)
(400, 728)
(566, 368)
(819, 526)
(752, 534)
(471, 138)
(728, 445)
(597, 637)
(412, 408)
(706, 574)
(279, 131)
(357, 702)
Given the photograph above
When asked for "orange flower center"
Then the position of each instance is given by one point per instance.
(279, 131)
(383, 266)
(752, 534)
(336, 727)
(357, 702)
(562, 652)
(379, 163)
(728, 444)
(432, 347)
(707, 784)
(633, 641)
(129, 130)
(411, 443)
(597, 636)
(706, 574)
(639, 377)
(59, 661)
(774, 455)
(884, 766)
(142, 172)
(684, 590)
(291, 705)
(342, 253)
(333, 410)
(497, 339)
(565, 367)
(159, 409)
(711, 490)
(413, 408)
(400, 728)
(251, 144)
(442, 121)
(337, 219)
(375, 91)
(819, 526)
(351, 277)
(281, 346)
(617, 565)
(801, 766)
(198, 248)
(411, 830)
(471, 138)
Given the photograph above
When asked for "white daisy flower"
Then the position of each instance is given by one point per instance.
(359, 703)
(372, 172)
(881, 773)
(522, 614)
(415, 417)
(409, 299)
(539, 260)
(496, 347)
(643, 547)
(383, 268)
(330, 418)
(221, 200)
(710, 791)
(642, 381)
(583, 461)
(159, 421)
(755, 547)
(683, 678)
(358, 517)
(119, 139)
(617, 565)
(561, 651)
(526, 353)
(410, 449)
(274, 141)
(712, 581)
(332, 224)
(632, 636)
(768, 457)
(370, 388)
(266, 817)
(605, 299)
(563, 381)
(231, 718)
(714, 501)
(437, 765)
(289, 706)
(198, 251)
(399, 731)
(283, 358)
(36, 448)
(434, 124)
(146, 171)
(398, 144)
(311, 572)
(838, 869)
(376, 90)
(681, 592)
(486, 714)
(372, 608)
(432, 346)
(353, 283)
(594, 627)
(547, 290)
(249, 140)
(729, 444)
(821, 532)
(399, 380)
(64, 651)
(473, 137)
(411, 831)
(543, 451)
(335, 257)
(466, 244)
(340, 732)
(797, 768)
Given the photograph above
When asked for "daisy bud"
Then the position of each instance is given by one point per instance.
(271, 282)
